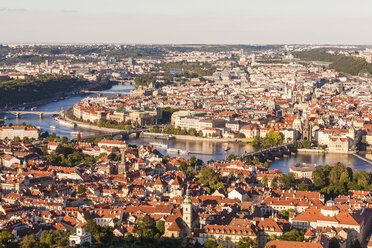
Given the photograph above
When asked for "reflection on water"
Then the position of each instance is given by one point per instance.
(204, 150)
(322, 159)
(47, 121)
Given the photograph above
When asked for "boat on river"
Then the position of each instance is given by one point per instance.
(63, 122)
(184, 152)
(159, 145)
(77, 133)
(172, 150)
(177, 151)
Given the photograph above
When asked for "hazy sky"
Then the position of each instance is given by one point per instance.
(191, 21)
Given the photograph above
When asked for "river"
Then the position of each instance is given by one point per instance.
(204, 150)
(47, 121)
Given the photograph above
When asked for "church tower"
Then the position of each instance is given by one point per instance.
(122, 167)
(307, 131)
(297, 124)
(341, 88)
(351, 132)
(187, 211)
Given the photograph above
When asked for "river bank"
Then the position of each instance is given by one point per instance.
(310, 150)
(61, 96)
(57, 97)
(91, 126)
(177, 137)
(218, 140)
(202, 148)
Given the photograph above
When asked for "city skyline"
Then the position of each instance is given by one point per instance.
(180, 22)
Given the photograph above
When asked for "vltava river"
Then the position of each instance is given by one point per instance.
(204, 150)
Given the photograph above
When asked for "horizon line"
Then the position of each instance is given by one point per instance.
(178, 44)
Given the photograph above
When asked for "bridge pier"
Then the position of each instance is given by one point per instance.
(41, 115)
(17, 115)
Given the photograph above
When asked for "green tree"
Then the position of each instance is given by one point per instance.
(154, 129)
(333, 243)
(192, 160)
(293, 235)
(190, 173)
(160, 226)
(100, 234)
(288, 181)
(231, 157)
(7, 240)
(336, 172)
(30, 241)
(319, 178)
(145, 227)
(165, 159)
(274, 183)
(241, 135)
(210, 244)
(256, 160)
(285, 213)
(231, 175)
(64, 139)
(265, 181)
(26, 140)
(210, 178)
(193, 132)
(171, 243)
(183, 166)
(303, 187)
(54, 238)
(274, 137)
(246, 242)
(129, 238)
(80, 189)
(356, 244)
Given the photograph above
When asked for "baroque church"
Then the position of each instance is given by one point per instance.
(181, 223)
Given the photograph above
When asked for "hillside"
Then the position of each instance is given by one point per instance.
(348, 64)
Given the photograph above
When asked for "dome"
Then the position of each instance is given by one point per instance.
(330, 209)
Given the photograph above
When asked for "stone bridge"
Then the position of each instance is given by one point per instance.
(272, 153)
(119, 135)
(18, 113)
(100, 93)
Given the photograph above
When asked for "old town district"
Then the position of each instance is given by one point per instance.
(223, 201)
(330, 111)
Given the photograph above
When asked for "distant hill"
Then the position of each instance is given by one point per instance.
(348, 64)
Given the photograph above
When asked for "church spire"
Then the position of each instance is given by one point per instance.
(187, 199)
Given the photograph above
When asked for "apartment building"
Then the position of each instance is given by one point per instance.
(18, 131)
(198, 123)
